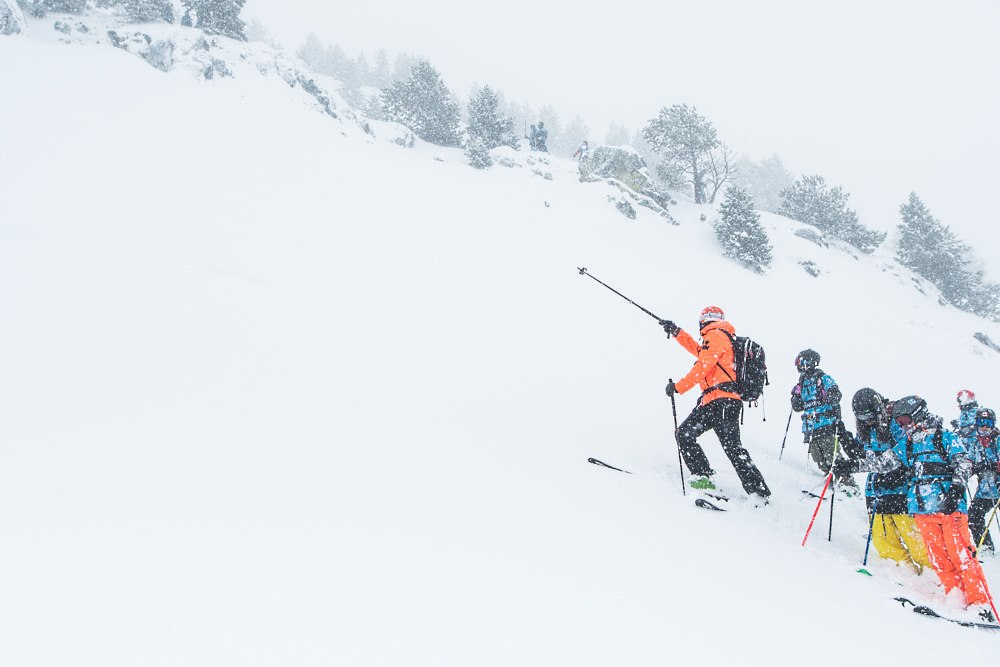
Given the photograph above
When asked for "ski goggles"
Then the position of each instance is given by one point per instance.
(865, 417)
(985, 424)
(903, 420)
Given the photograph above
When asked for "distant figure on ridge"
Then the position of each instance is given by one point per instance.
(541, 138)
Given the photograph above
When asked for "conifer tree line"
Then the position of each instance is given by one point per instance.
(217, 17)
(933, 251)
(377, 85)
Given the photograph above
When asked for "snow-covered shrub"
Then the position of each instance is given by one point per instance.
(478, 154)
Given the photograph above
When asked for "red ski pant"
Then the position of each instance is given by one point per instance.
(952, 554)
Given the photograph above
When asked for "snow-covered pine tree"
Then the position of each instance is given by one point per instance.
(683, 138)
(38, 8)
(739, 231)
(145, 11)
(763, 180)
(618, 135)
(934, 252)
(218, 17)
(380, 71)
(11, 18)
(809, 200)
(424, 104)
(488, 128)
(311, 51)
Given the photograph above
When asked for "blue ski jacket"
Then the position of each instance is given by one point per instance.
(817, 397)
(938, 460)
(887, 490)
(985, 455)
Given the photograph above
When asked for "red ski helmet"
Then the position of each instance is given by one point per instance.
(966, 398)
(710, 314)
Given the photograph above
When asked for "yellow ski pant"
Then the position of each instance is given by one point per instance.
(897, 538)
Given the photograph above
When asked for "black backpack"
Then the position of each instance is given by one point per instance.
(751, 368)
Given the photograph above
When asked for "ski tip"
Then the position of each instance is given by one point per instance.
(704, 504)
(862, 570)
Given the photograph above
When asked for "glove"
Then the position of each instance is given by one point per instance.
(669, 327)
(671, 389)
(871, 461)
(954, 423)
(854, 449)
(797, 404)
(952, 497)
(843, 468)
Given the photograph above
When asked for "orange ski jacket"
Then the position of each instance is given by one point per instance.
(715, 360)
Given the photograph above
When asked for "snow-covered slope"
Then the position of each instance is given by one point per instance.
(279, 391)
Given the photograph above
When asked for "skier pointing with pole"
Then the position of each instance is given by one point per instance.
(718, 407)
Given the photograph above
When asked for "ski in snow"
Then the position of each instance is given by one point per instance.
(927, 611)
(813, 494)
(704, 504)
(606, 465)
(700, 502)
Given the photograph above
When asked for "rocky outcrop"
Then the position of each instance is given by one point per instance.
(626, 170)
(158, 53)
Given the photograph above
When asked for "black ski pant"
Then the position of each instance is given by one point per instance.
(978, 510)
(722, 416)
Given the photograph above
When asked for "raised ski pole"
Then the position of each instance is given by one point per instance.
(680, 461)
(583, 272)
(785, 439)
(822, 494)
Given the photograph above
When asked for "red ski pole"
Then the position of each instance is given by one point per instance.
(829, 477)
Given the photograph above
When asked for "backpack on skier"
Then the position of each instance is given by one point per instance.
(751, 368)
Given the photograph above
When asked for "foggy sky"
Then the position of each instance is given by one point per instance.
(882, 97)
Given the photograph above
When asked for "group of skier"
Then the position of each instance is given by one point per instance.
(537, 137)
(919, 471)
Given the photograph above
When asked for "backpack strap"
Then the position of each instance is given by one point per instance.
(732, 345)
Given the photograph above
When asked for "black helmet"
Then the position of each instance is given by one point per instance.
(807, 360)
(909, 410)
(985, 418)
(868, 405)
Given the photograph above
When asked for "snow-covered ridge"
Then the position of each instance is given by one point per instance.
(174, 48)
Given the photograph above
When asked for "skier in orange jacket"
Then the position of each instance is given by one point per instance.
(719, 406)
